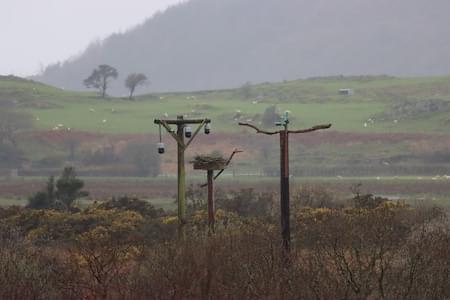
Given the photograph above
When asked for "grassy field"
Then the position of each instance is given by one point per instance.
(366, 139)
(161, 191)
(310, 101)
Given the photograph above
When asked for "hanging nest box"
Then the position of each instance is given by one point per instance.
(207, 162)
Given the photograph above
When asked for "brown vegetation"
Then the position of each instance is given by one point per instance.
(367, 248)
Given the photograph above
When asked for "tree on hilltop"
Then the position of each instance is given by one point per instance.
(134, 80)
(100, 78)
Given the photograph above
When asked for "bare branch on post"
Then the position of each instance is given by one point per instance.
(257, 129)
(284, 170)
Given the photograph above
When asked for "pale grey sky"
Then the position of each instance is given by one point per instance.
(34, 33)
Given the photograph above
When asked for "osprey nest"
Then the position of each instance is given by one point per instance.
(208, 162)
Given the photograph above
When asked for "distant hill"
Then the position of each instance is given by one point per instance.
(210, 44)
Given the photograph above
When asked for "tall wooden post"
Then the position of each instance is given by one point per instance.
(181, 123)
(284, 171)
(284, 189)
(211, 206)
(181, 174)
(210, 164)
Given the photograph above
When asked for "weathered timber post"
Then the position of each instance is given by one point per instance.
(284, 189)
(211, 204)
(182, 130)
(210, 164)
(284, 171)
(181, 174)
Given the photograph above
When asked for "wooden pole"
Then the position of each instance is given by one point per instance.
(211, 206)
(181, 123)
(284, 189)
(181, 195)
(284, 172)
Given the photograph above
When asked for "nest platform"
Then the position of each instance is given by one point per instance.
(205, 162)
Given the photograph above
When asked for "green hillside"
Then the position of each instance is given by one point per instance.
(384, 103)
(386, 127)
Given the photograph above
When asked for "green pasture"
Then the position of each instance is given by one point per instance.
(119, 116)
(12, 202)
(378, 185)
(310, 102)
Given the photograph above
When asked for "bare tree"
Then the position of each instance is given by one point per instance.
(133, 81)
(100, 77)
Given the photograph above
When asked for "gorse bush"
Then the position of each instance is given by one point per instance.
(125, 249)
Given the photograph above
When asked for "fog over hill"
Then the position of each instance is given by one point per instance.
(210, 44)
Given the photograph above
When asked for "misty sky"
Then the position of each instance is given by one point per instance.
(34, 33)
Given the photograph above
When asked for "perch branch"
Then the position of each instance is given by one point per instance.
(314, 128)
(226, 164)
(257, 129)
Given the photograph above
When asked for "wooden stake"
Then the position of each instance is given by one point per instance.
(284, 172)
(211, 204)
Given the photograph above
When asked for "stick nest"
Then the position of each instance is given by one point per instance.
(209, 162)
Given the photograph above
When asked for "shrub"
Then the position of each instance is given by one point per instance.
(133, 204)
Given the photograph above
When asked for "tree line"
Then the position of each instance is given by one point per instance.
(103, 74)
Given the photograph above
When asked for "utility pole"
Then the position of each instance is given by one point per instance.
(284, 170)
(182, 130)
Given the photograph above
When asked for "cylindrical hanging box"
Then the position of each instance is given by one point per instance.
(207, 128)
(161, 148)
(188, 131)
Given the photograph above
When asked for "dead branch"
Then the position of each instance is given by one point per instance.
(226, 164)
(257, 129)
(314, 128)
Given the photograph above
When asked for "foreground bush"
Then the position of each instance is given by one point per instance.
(115, 251)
